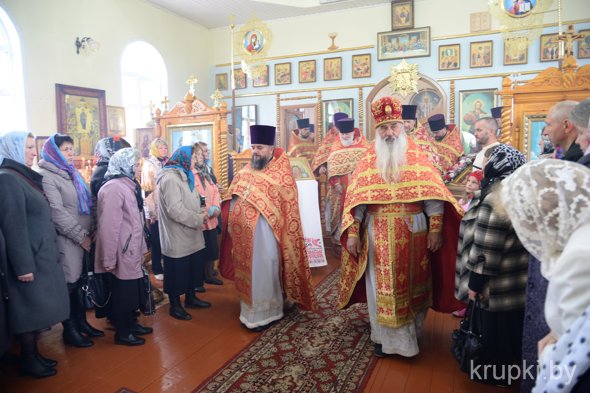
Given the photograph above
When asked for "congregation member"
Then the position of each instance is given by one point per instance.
(562, 132)
(262, 242)
(447, 141)
(181, 216)
(209, 192)
(485, 135)
(302, 141)
(71, 211)
(103, 151)
(343, 158)
(120, 244)
(149, 172)
(210, 272)
(318, 165)
(38, 295)
(492, 266)
(548, 203)
(581, 119)
(397, 215)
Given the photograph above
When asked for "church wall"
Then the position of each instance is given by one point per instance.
(296, 39)
(48, 30)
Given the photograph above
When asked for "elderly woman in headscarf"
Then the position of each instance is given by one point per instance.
(548, 202)
(150, 170)
(492, 266)
(181, 216)
(71, 210)
(104, 150)
(36, 284)
(120, 244)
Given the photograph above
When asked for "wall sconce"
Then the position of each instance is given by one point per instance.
(86, 44)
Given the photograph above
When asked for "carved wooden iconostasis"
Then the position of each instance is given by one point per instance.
(190, 121)
(526, 105)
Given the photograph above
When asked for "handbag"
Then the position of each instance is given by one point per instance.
(93, 290)
(147, 304)
(466, 342)
(147, 235)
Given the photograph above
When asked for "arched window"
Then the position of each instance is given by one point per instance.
(144, 81)
(12, 91)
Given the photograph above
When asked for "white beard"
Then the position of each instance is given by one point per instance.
(390, 157)
(346, 143)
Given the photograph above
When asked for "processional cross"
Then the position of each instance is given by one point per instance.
(165, 103)
(217, 98)
(569, 37)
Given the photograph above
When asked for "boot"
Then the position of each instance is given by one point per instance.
(176, 310)
(87, 329)
(129, 340)
(191, 301)
(46, 361)
(30, 365)
(210, 274)
(73, 337)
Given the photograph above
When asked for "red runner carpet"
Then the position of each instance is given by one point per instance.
(327, 350)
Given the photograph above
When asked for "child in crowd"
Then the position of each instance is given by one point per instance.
(471, 196)
(473, 184)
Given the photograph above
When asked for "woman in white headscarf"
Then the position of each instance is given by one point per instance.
(548, 202)
(120, 243)
(35, 279)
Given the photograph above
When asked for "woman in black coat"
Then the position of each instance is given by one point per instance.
(36, 284)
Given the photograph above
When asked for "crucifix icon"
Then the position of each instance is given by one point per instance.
(216, 98)
(569, 37)
(191, 81)
(165, 102)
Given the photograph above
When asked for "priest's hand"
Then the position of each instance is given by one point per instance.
(434, 241)
(353, 245)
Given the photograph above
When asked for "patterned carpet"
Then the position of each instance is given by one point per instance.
(324, 351)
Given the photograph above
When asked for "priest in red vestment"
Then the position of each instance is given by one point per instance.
(344, 155)
(302, 141)
(419, 135)
(399, 235)
(262, 247)
(447, 141)
(318, 165)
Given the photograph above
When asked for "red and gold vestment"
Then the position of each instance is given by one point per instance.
(408, 277)
(272, 193)
(321, 156)
(299, 147)
(450, 148)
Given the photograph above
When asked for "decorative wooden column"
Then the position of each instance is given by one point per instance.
(361, 111)
(452, 103)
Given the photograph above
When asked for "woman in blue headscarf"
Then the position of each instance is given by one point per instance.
(180, 216)
(71, 210)
(35, 279)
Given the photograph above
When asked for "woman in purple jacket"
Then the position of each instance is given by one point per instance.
(120, 245)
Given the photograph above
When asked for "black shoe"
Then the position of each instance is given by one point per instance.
(130, 340)
(200, 289)
(140, 330)
(195, 302)
(213, 281)
(259, 329)
(31, 366)
(46, 361)
(73, 337)
(379, 351)
(179, 313)
(87, 329)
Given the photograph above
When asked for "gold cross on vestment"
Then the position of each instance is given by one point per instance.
(191, 82)
(569, 37)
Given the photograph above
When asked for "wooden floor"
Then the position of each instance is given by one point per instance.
(180, 355)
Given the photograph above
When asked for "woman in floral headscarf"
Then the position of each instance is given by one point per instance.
(151, 167)
(71, 210)
(548, 202)
(120, 244)
(180, 217)
(492, 265)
